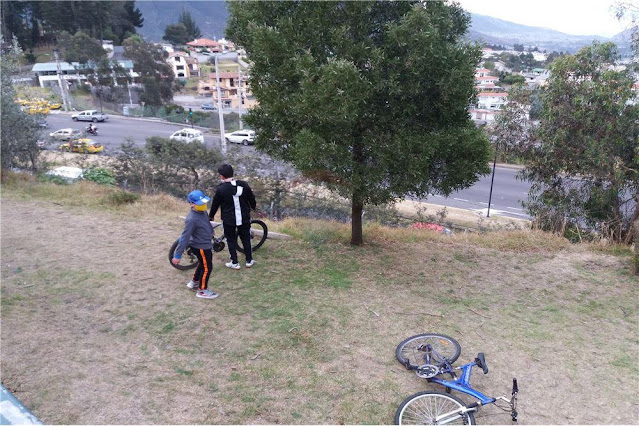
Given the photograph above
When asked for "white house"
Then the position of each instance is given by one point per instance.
(491, 100)
(183, 65)
(47, 72)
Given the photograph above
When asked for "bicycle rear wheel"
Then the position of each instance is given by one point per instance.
(189, 259)
(259, 233)
(411, 352)
(423, 408)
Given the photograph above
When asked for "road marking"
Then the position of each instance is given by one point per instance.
(460, 199)
(483, 204)
(514, 208)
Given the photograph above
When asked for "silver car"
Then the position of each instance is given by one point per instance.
(90, 115)
(245, 137)
(66, 134)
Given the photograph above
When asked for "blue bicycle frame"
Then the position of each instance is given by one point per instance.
(462, 384)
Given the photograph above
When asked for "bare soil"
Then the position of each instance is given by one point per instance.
(98, 329)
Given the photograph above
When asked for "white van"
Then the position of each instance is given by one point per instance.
(188, 135)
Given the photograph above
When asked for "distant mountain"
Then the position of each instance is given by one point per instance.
(211, 17)
(497, 31)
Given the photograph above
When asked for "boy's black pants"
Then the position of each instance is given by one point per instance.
(204, 267)
(244, 232)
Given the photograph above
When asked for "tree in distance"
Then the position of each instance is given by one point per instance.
(176, 34)
(583, 157)
(18, 130)
(369, 98)
(155, 73)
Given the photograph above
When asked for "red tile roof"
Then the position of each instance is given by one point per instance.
(203, 42)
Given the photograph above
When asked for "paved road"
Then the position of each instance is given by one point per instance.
(117, 129)
(507, 190)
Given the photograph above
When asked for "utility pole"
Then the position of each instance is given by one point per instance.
(492, 180)
(239, 94)
(65, 99)
(219, 106)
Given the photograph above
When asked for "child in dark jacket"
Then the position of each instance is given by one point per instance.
(197, 235)
(235, 200)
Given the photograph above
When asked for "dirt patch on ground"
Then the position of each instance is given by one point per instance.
(97, 328)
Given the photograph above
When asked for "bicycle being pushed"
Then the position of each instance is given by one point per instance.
(258, 233)
(431, 357)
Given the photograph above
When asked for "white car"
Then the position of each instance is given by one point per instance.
(66, 134)
(245, 137)
(188, 135)
(90, 115)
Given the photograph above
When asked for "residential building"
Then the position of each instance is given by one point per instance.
(231, 92)
(47, 72)
(204, 44)
(183, 65)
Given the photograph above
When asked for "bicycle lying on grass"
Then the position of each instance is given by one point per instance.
(258, 232)
(431, 356)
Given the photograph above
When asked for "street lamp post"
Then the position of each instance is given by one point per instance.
(492, 179)
(219, 105)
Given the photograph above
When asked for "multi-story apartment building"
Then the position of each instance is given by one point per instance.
(234, 90)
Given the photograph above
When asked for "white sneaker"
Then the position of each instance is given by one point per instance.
(193, 285)
(251, 263)
(232, 265)
(206, 294)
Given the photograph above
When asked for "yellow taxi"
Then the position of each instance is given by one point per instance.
(84, 145)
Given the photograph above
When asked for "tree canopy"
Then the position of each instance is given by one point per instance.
(34, 22)
(19, 131)
(155, 73)
(369, 98)
(192, 30)
(176, 34)
(583, 157)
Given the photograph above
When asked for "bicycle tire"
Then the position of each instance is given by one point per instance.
(259, 233)
(189, 259)
(423, 407)
(407, 352)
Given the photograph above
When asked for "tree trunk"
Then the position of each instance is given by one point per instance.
(356, 222)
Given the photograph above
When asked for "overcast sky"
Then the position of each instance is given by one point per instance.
(579, 17)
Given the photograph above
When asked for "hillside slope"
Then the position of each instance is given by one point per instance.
(98, 328)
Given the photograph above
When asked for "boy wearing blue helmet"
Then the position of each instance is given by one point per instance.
(197, 235)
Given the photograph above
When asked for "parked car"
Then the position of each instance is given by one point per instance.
(208, 105)
(245, 137)
(66, 134)
(90, 115)
(43, 124)
(188, 135)
(86, 146)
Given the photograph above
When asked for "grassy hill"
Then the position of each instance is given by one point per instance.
(98, 328)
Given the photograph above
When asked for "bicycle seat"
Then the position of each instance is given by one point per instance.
(480, 361)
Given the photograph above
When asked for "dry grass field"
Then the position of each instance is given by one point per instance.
(97, 328)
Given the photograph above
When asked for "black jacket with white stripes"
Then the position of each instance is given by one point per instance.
(236, 201)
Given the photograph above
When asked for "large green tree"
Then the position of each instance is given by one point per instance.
(369, 98)
(192, 30)
(176, 34)
(35, 22)
(18, 130)
(583, 157)
(155, 73)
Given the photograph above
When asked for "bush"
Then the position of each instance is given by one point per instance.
(58, 180)
(121, 198)
(99, 175)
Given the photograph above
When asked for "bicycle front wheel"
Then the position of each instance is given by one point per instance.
(259, 233)
(412, 353)
(189, 259)
(424, 408)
